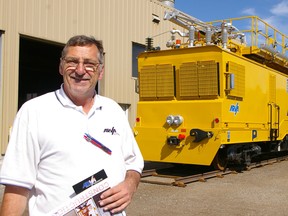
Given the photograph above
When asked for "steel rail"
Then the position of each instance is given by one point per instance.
(181, 181)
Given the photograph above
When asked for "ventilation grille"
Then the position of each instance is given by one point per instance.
(198, 79)
(156, 82)
(239, 79)
(188, 80)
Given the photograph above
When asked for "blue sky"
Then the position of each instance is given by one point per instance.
(274, 12)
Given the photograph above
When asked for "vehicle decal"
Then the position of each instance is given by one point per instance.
(234, 108)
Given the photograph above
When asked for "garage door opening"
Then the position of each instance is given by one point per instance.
(38, 68)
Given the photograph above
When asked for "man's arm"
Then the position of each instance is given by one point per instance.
(14, 200)
(116, 199)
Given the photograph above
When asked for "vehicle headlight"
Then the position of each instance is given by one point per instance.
(178, 120)
(174, 120)
(170, 120)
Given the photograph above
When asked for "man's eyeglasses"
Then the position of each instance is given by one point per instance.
(89, 65)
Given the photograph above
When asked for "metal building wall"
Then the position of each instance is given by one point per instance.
(117, 22)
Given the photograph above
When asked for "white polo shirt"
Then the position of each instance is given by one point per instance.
(48, 154)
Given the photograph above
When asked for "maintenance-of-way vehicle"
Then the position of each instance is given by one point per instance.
(217, 95)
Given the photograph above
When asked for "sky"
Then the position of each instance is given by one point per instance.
(274, 12)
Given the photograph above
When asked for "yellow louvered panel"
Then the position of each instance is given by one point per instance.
(208, 78)
(156, 81)
(165, 81)
(272, 89)
(147, 82)
(188, 80)
(239, 79)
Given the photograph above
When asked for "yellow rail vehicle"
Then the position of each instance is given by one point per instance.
(214, 102)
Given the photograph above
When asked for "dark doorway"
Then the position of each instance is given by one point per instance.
(38, 68)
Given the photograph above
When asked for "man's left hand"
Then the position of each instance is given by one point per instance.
(117, 198)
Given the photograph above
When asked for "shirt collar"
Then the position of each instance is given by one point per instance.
(65, 100)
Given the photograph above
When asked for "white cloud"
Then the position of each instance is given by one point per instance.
(280, 9)
(249, 11)
(273, 21)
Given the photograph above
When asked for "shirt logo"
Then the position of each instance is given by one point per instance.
(112, 131)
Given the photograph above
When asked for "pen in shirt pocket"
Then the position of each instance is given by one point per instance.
(95, 142)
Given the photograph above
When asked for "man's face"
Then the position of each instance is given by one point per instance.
(81, 70)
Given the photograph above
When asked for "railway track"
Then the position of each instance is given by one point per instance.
(172, 176)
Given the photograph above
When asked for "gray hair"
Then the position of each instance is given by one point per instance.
(82, 40)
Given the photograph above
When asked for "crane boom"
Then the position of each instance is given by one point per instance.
(185, 21)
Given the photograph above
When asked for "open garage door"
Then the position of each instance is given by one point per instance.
(38, 68)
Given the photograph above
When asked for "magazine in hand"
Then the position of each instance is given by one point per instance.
(86, 202)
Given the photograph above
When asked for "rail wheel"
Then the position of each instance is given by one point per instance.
(284, 146)
(220, 160)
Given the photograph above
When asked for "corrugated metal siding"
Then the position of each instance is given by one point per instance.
(117, 22)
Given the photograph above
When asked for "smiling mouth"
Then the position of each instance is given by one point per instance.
(79, 79)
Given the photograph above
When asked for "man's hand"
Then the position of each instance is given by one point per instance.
(116, 199)
(14, 200)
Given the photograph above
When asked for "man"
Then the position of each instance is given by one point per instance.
(48, 153)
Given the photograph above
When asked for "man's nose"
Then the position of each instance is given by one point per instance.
(80, 69)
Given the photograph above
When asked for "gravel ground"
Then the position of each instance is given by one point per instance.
(261, 191)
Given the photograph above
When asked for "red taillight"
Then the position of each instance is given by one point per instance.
(137, 119)
(216, 120)
(181, 136)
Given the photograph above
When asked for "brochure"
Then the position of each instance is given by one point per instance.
(86, 202)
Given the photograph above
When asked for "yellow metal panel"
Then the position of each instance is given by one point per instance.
(239, 77)
(156, 82)
(208, 78)
(152, 132)
(198, 79)
(165, 81)
(147, 81)
(188, 80)
(272, 88)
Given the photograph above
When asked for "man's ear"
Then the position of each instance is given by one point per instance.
(101, 71)
(60, 68)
